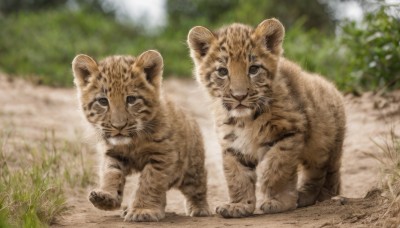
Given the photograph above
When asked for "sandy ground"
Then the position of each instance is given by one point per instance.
(33, 109)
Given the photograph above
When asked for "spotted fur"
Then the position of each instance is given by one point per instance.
(269, 112)
(140, 130)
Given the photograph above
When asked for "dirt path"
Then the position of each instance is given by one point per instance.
(32, 109)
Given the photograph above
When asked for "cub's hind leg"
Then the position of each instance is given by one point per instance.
(332, 184)
(194, 188)
(312, 180)
(112, 182)
(321, 178)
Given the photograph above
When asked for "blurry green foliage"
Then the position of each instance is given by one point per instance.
(17, 6)
(180, 11)
(315, 14)
(315, 52)
(41, 44)
(13, 6)
(44, 44)
(373, 51)
(309, 27)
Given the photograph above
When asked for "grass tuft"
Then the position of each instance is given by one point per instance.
(30, 196)
(33, 179)
(389, 158)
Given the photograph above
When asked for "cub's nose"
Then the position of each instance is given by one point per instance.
(239, 96)
(119, 125)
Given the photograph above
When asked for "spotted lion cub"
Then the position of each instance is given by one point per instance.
(140, 131)
(268, 110)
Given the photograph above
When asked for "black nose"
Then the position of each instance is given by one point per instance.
(239, 97)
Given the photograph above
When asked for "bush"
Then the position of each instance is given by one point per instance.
(315, 52)
(373, 51)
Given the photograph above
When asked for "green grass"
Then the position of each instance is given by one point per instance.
(34, 177)
(77, 173)
(389, 158)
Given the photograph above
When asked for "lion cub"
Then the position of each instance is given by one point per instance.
(141, 131)
(268, 110)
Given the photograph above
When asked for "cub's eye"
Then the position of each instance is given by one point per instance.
(130, 99)
(222, 71)
(254, 69)
(103, 101)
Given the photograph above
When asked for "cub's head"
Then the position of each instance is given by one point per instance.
(237, 64)
(119, 95)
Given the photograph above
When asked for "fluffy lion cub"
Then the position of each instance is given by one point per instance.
(141, 131)
(268, 110)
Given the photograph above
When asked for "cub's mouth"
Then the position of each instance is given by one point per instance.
(241, 106)
(119, 139)
(241, 110)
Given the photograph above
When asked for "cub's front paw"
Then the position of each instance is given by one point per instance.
(235, 210)
(306, 199)
(104, 200)
(272, 206)
(199, 212)
(144, 215)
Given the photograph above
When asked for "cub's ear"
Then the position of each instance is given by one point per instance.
(199, 40)
(270, 33)
(151, 62)
(83, 67)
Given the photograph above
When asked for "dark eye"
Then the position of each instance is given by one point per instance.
(254, 69)
(222, 71)
(103, 101)
(130, 99)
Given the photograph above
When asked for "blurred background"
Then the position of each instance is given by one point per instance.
(47, 160)
(354, 43)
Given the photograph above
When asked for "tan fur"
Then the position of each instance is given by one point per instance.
(268, 110)
(140, 131)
